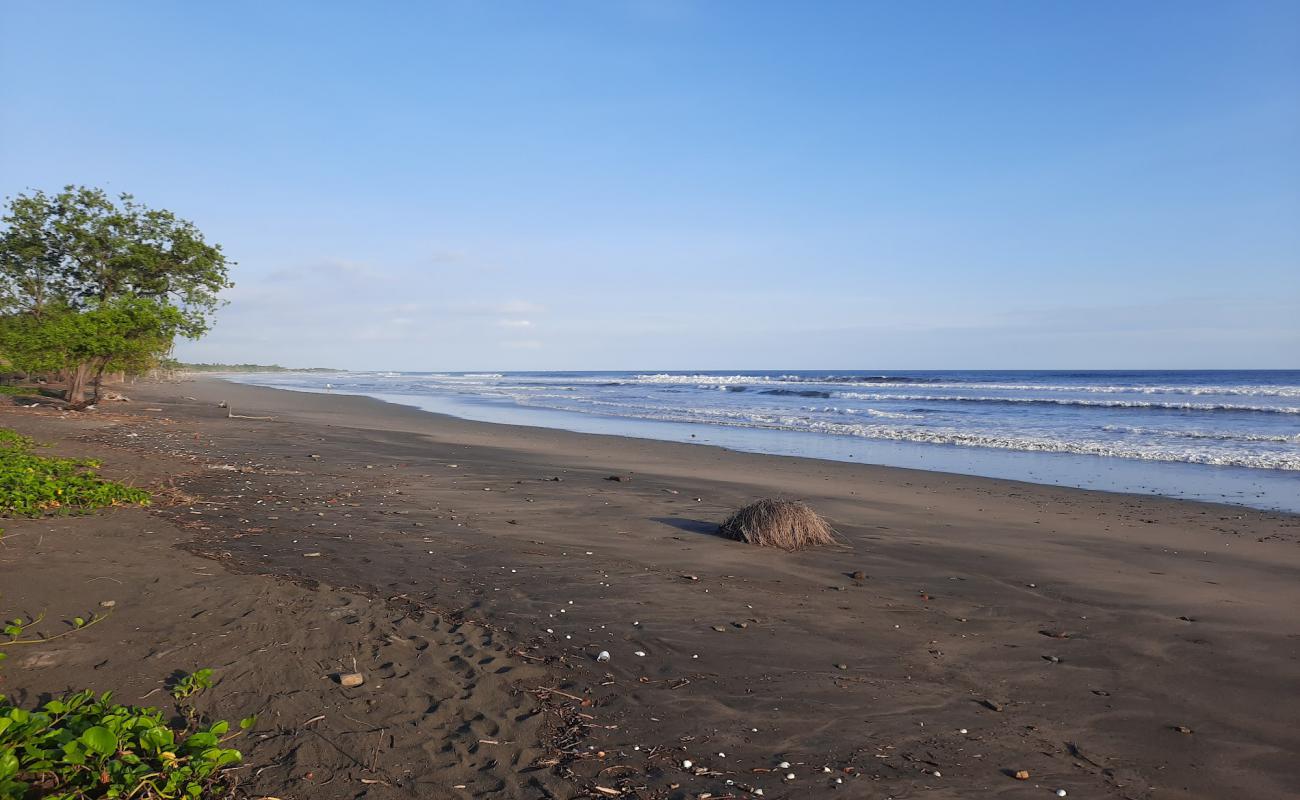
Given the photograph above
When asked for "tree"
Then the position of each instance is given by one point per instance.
(127, 333)
(88, 283)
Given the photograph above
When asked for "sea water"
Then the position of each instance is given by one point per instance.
(1225, 436)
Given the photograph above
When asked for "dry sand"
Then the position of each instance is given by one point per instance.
(1070, 633)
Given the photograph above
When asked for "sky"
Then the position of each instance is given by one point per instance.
(695, 185)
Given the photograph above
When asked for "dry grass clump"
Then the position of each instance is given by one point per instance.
(787, 524)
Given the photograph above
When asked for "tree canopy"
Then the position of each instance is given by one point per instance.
(89, 283)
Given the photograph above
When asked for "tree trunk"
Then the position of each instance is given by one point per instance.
(78, 377)
(98, 381)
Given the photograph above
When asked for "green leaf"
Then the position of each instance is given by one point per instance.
(8, 765)
(100, 740)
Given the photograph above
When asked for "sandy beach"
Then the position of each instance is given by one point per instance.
(964, 629)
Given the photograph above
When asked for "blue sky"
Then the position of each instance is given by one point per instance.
(695, 185)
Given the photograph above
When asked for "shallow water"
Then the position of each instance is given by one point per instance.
(1226, 436)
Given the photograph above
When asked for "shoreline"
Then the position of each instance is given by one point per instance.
(472, 587)
(1030, 459)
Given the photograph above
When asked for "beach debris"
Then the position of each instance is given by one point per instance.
(991, 705)
(841, 666)
(719, 628)
(317, 555)
(687, 764)
(785, 524)
(1056, 634)
(603, 656)
(618, 478)
(350, 680)
(1183, 729)
(1021, 775)
(963, 731)
(789, 776)
(691, 577)
(107, 603)
(639, 654)
(858, 575)
(1061, 793)
(783, 765)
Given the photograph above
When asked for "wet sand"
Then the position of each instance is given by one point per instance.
(1069, 633)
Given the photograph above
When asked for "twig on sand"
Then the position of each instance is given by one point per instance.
(374, 760)
(557, 691)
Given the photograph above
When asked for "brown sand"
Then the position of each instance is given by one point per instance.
(446, 552)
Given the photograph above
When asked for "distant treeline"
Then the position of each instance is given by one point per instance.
(183, 367)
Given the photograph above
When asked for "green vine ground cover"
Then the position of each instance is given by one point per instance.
(84, 746)
(32, 485)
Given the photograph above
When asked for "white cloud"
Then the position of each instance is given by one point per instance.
(515, 323)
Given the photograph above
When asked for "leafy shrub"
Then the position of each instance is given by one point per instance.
(32, 485)
(84, 746)
(192, 684)
(19, 390)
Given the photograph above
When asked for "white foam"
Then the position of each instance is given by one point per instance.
(1062, 401)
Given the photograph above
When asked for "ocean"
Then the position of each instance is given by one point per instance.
(1223, 436)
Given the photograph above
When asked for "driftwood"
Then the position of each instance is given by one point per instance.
(230, 414)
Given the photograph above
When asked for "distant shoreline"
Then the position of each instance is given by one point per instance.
(1265, 489)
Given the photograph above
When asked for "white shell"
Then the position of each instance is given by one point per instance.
(603, 656)
(687, 764)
